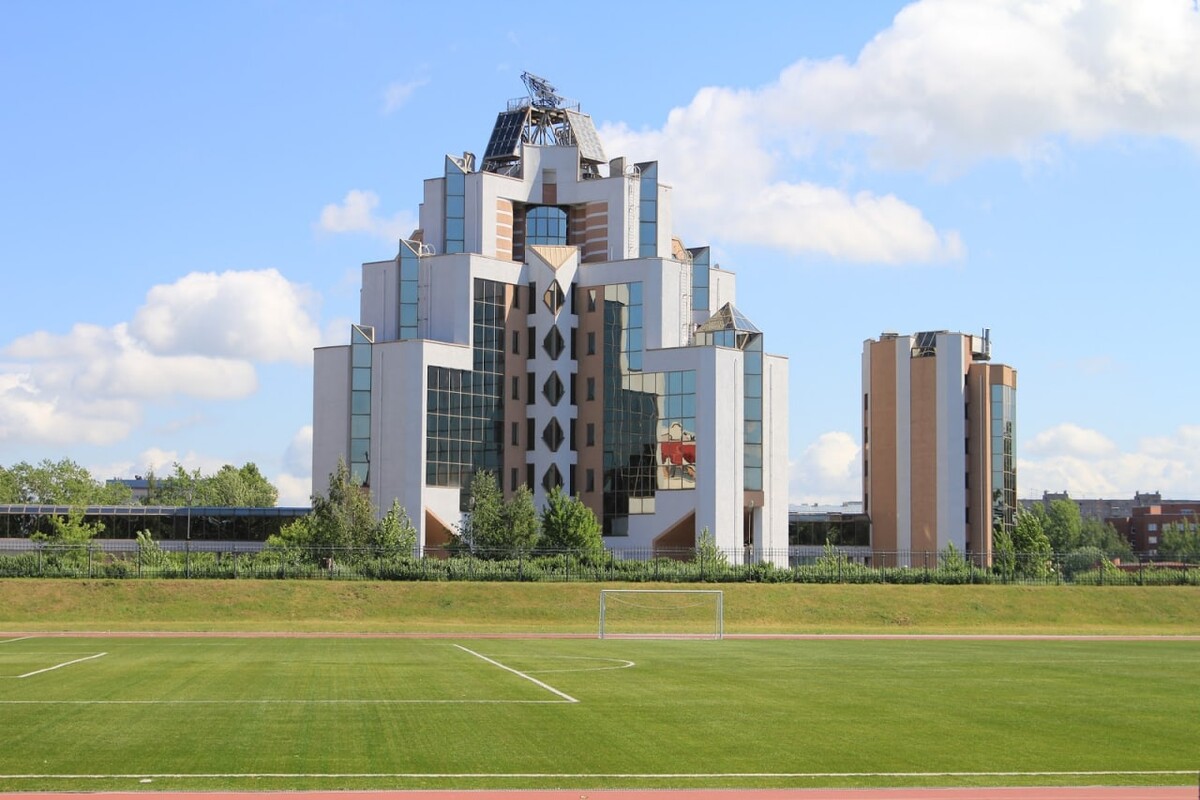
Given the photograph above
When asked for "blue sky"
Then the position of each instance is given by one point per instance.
(187, 191)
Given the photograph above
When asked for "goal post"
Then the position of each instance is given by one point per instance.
(662, 613)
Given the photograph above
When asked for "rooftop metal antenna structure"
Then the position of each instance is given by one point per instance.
(545, 118)
(543, 94)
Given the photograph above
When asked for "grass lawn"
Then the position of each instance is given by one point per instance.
(332, 606)
(87, 714)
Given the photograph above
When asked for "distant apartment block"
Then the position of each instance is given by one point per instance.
(939, 444)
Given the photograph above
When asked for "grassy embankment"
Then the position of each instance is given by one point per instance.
(333, 606)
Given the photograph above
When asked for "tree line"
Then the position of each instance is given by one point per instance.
(344, 520)
(66, 483)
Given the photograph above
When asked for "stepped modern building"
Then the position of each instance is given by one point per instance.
(544, 324)
(939, 446)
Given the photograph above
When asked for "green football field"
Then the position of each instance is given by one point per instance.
(88, 714)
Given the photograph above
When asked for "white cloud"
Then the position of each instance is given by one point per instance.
(827, 471)
(947, 84)
(398, 93)
(297, 458)
(952, 82)
(1068, 439)
(1086, 464)
(356, 214)
(294, 491)
(257, 315)
(199, 337)
(733, 184)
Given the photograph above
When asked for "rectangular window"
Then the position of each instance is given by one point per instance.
(573, 337)
(513, 479)
(571, 439)
(571, 480)
(532, 303)
(591, 343)
(529, 475)
(591, 303)
(516, 343)
(865, 405)
(530, 387)
(591, 388)
(573, 401)
(516, 387)
(516, 297)
(590, 481)
(516, 433)
(530, 433)
(532, 343)
(591, 434)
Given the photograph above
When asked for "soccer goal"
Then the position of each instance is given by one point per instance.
(662, 613)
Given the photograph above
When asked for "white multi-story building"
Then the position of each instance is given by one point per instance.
(543, 324)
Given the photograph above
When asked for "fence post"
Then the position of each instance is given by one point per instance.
(520, 565)
(41, 574)
(234, 556)
(187, 558)
(139, 559)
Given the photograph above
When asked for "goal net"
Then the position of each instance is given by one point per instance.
(662, 613)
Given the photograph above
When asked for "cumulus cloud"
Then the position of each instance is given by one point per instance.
(257, 315)
(397, 94)
(953, 82)
(199, 337)
(947, 84)
(297, 458)
(1086, 464)
(356, 214)
(1068, 439)
(827, 471)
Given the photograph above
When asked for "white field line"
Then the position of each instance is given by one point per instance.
(18, 639)
(519, 674)
(60, 666)
(169, 702)
(662, 775)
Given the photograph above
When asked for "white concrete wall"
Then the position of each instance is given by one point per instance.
(953, 357)
(903, 345)
(331, 412)
(542, 365)
(433, 211)
(379, 299)
(774, 522)
(722, 289)
(398, 413)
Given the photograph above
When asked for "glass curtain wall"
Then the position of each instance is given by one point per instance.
(410, 273)
(648, 210)
(456, 195)
(465, 415)
(1004, 459)
(361, 339)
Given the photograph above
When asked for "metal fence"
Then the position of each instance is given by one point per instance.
(229, 560)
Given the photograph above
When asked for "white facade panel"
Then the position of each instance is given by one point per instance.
(331, 413)
(379, 298)
(904, 443)
(774, 522)
(953, 357)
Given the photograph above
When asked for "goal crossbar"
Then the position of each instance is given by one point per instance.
(662, 613)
